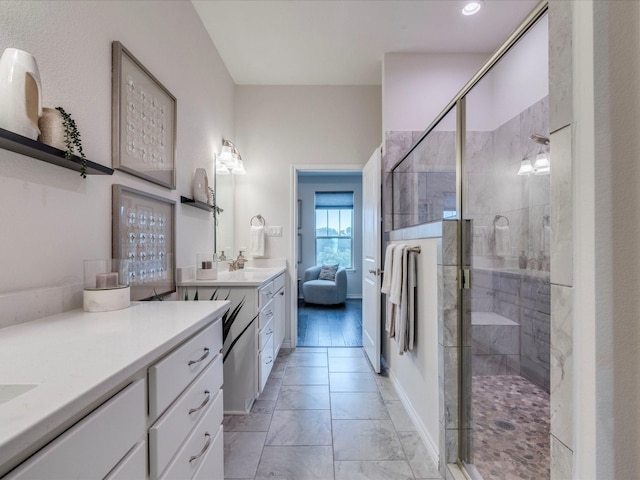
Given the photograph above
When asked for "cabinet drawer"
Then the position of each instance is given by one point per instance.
(212, 467)
(134, 465)
(92, 447)
(184, 465)
(168, 433)
(265, 315)
(265, 358)
(169, 377)
(278, 282)
(265, 294)
(265, 335)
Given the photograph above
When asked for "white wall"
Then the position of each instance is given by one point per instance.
(52, 219)
(307, 187)
(607, 232)
(278, 127)
(416, 87)
(416, 373)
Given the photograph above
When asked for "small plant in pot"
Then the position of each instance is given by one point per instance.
(59, 130)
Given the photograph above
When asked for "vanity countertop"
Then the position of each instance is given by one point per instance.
(53, 369)
(244, 277)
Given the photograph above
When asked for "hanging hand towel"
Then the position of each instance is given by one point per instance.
(256, 241)
(395, 295)
(502, 238)
(386, 288)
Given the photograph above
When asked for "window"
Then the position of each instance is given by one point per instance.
(334, 228)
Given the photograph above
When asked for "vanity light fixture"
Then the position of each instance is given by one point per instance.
(472, 7)
(229, 160)
(541, 164)
(525, 167)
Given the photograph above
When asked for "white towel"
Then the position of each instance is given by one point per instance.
(386, 288)
(256, 241)
(412, 279)
(502, 239)
(403, 306)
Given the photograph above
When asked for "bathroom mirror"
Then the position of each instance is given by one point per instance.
(225, 188)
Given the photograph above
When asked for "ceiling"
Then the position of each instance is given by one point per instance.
(342, 42)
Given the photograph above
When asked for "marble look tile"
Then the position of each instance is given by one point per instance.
(352, 382)
(308, 360)
(306, 376)
(448, 293)
(242, 452)
(256, 421)
(451, 358)
(303, 350)
(349, 364)
(396, 145)
(496, 339)
(399, 416)
(270, 390)
(421, 462)
(366, 440)
(358, 406)
(303, 397)
(562, 214)
(450, 243)
(479, 149)
(296, 462)
(534, 119)
(561, 460)
(560, 64)
(562, 364)
(357, 470)
(345, 352)
(300, 427)
(496, 364)
(387, 390)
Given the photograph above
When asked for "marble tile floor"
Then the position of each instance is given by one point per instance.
(325, 414)
(518, 449)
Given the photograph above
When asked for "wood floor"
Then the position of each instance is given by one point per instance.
(330, 326)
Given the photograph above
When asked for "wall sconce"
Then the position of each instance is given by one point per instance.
(229, 160)
(541, 164)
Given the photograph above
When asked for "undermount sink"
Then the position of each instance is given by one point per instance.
(9, 392)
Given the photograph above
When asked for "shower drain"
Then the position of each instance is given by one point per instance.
(504, 425)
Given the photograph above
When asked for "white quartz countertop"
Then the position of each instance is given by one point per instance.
(67, 363)
(247, 276)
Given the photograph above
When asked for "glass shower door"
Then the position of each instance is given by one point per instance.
(505, 192)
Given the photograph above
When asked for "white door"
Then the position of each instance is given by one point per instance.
(371, 193)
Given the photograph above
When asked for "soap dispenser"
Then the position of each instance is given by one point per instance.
(522, 260)
(240, 260)
(222, 257)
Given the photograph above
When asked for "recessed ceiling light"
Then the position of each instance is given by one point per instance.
(473, 7)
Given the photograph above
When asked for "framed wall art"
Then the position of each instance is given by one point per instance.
(143, 231)
(143, 121)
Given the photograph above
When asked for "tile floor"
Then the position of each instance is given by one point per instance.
(324, 414)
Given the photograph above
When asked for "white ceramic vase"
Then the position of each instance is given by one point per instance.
(20, 93)
(201, 186)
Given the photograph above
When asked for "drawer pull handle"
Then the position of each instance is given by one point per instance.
(206, 354)
(270, 360)
(269, 332)
(206, 400)
(281, 293)
(270, 313)
(204, 449)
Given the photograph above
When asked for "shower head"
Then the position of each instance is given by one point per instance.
(539, 139)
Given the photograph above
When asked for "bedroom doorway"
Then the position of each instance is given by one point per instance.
(329, 221)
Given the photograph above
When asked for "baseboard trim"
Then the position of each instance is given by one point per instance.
(421, 429)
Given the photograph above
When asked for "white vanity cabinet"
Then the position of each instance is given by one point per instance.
(255, 335)
(95, 445)
(149, 405)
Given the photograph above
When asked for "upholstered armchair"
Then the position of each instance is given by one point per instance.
(324, 292)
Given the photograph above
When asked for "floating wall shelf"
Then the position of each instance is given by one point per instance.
(196, 203)
(31, 148)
